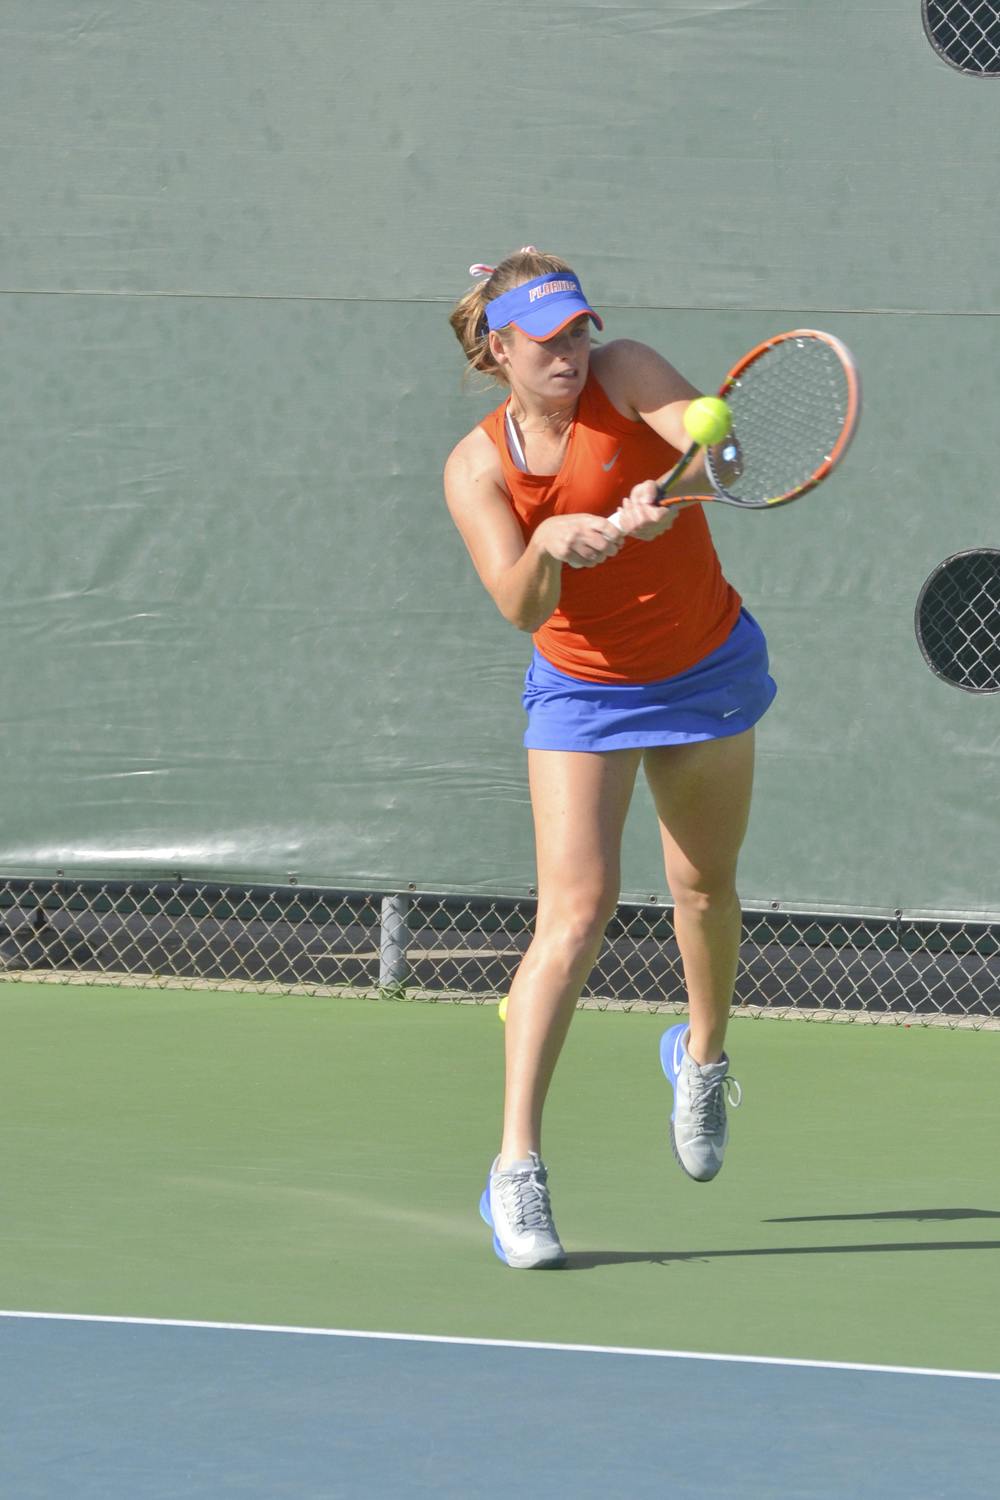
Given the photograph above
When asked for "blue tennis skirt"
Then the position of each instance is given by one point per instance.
(722, 695)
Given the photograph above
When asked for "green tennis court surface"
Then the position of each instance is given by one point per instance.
(316, 1164)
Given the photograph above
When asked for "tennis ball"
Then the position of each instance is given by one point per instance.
(502, 1008)
(707, 420)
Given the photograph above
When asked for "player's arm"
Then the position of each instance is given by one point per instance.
(524, 579)
(648, 388)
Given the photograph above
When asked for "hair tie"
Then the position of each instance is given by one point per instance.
(483, 272)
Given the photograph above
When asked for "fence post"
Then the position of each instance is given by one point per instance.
(394, 939)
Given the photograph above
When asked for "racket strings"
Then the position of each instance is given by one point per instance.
(959, 622)
(789, 410)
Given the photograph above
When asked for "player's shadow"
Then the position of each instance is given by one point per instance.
(587, 1260)
(915, 1215)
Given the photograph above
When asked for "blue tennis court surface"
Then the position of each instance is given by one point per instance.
(98, 1409)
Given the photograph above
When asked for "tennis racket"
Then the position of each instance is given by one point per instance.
(957, 620)
(794, 402)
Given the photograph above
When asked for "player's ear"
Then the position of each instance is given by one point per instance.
(498, 348)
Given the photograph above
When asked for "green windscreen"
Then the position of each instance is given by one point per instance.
(242, 638)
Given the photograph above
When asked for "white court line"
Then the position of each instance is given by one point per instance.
(440, 1338)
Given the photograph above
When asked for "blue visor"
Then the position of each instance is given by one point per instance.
(540, 308)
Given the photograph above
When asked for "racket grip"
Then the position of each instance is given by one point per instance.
(619, 515)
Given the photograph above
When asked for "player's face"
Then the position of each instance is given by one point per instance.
(553, 369)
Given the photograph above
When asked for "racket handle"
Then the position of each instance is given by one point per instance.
(663, 484)
(685, 461)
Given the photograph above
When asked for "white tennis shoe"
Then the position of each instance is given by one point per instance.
(515, 1204)
(699, 1129)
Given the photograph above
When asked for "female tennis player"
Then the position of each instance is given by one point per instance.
(643, 654)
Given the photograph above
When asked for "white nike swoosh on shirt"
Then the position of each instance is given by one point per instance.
(611, 463)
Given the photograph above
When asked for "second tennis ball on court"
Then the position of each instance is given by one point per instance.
(707, 420)
(502, 1008)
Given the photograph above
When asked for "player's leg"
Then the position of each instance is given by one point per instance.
(579, 802)
(702, 794)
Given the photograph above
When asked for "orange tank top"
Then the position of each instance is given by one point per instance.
(657, 608)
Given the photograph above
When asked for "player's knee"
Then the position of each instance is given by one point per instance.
(578, 926)
(706, 894)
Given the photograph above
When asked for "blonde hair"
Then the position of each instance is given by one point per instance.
(468, 317)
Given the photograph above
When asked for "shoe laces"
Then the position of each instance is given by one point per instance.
(708, 1098)
(526, 1200)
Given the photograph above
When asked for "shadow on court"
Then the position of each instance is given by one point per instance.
(588, 1260)
(915, 1215)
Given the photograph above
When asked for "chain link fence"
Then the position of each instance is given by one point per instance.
(957, 620)
(446, 948)
(966, 33)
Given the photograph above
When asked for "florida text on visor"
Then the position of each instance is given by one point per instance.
(540, 308)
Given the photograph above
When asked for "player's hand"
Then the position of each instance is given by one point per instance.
(581, 541)
(642, 518)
